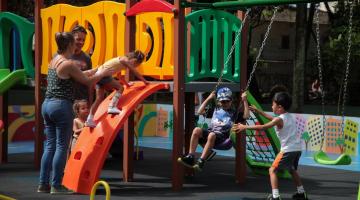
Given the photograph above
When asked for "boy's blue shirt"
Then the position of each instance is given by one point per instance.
(222, 120)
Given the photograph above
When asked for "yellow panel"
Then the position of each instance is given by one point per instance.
(115, 29)
(143, 41)
(50, 18)
(168, 59)
(94, 14)
(71, 14)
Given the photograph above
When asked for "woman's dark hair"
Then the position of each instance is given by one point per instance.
(78, 29)
(283, 99)
(63, 40)
(138, 55)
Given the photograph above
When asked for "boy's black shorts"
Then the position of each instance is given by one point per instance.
(288, 161)
(220, 137)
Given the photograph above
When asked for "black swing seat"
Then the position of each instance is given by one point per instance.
(225, 145)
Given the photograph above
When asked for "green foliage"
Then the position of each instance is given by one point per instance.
(306, 136)
(168, 124)
(334, 55)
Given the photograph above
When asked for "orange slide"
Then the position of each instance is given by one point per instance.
(86, 160)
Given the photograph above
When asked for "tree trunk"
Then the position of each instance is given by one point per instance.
(300, 59)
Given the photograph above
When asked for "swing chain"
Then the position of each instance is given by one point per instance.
(346, 78)
(229, 56)
(261, 48)
(232, 48)
(318, 51)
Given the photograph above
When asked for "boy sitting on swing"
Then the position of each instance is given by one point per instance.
(221, 122)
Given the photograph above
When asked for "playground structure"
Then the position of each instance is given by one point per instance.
(184, 49)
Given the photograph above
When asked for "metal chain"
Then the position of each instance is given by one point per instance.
(317, 20)
(229, 56)
(346, 78)
(232, 49)
(261, 48)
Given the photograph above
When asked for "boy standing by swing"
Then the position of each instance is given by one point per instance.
(288, 157)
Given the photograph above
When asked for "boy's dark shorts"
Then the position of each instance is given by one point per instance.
(288, 161)
(104, 80)
(220, 137)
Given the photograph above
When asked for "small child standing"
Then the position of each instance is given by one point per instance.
(290, 153)
(221, 123)
(129, 61)
(81, 110)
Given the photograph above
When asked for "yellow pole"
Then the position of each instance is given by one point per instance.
(3, 197)
(96, 185)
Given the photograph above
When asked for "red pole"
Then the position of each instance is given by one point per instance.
(3, 5)
(178, 96)
(240, 153)
(128, 148)
(39, 126)
(4, 112)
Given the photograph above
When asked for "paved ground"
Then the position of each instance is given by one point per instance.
(18, 179)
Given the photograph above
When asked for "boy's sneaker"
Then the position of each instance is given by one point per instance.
(211, 155)
(199, 165)
(61, 190)
(270, 197)
(187, 161)
(300, 196)
(90, 123)
(114, 110)
(43, 189)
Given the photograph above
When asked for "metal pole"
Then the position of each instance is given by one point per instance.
(178, 96)
(39, 126)
(128, 148)
(4, 110)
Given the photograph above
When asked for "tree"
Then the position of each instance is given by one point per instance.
(340, 141)
(334, 55)
(306, 137)
(300, 58)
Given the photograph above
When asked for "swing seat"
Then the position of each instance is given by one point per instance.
(322, 158)
(225, 145)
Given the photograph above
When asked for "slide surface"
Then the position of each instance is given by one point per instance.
(8, 79)
(87, 158)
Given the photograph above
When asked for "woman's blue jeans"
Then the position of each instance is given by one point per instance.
(58, 121)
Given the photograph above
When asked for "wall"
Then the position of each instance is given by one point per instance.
(156, 120)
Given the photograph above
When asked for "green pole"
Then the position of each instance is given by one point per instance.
(249, 3)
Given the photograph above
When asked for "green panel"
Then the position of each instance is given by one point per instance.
(4, 73)
(26, 31)
(322, 158)
(11, 79)
(262, 168)
(275, 143)
(256, 166)
(218, 28)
